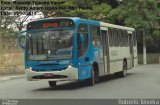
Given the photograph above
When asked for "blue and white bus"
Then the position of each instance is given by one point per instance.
(73, 49)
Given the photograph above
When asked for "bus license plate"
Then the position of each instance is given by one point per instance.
(48, 74)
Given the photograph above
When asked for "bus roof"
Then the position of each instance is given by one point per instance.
(73, 18)
(116, 26)
(103, 24)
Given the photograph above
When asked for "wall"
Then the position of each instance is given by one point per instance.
(152, 58)
(11, 56)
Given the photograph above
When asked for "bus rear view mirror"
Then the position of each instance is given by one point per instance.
(21, 39)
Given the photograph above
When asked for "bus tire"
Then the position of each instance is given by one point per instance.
(52, 83)
(92, 79)
(94, 76)
(123, 73)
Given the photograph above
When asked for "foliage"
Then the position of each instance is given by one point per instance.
(7, 32)
(141, 14)
(6, 25)
(156, 33)
(98, 12)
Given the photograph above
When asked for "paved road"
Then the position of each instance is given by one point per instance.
(141, 82)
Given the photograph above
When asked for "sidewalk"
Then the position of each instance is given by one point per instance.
(11, 76)
(11, 72)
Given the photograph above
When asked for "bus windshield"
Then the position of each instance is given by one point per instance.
(50, 45)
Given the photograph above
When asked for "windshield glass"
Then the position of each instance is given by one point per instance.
(50, 45)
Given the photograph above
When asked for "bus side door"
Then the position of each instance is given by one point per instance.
(104, 32)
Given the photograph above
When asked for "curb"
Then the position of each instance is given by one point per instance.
(8, 77)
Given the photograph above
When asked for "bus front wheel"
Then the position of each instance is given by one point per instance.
(52, 83)
(92, 79)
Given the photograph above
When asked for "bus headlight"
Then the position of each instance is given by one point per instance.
(30, 68)
(69, 66)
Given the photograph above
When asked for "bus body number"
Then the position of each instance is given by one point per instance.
(64, 62)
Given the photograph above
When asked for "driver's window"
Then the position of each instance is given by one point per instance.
(82, 46)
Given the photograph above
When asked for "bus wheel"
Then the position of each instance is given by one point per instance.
(52, 83)
(94, 76)
(92, 79)
(123, 73)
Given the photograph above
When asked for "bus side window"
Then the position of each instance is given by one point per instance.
(82, 46)
(95, 36)
(134, 39)
(118, 42)
(123, 38)
(127, 44)
(115, 38)
(110, 36)
(119, 35)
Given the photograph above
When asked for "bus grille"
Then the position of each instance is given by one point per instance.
(37, 70)
(49, 77)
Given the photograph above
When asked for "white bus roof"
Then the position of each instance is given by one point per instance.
(116, 26)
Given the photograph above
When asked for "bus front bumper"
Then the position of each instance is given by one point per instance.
(69, 74)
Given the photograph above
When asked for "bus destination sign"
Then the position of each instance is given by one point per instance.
(52, 23)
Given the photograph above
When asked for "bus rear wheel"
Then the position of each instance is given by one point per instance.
(52, 83)
(123, 73)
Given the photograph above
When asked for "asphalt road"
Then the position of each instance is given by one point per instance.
(141, 82)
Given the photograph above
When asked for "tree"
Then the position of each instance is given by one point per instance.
(19, 21)
(6, 25)
(99, 9)
(142, 14)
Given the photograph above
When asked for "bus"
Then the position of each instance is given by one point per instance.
(75, 49)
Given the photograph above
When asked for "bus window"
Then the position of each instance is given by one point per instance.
(112, 33)
(115, 38)
(120, 37)
(118, 41)
(123, 38)
(110, 36)
(126, 34)
(95, 36)
(82, 46)
(134, 39)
